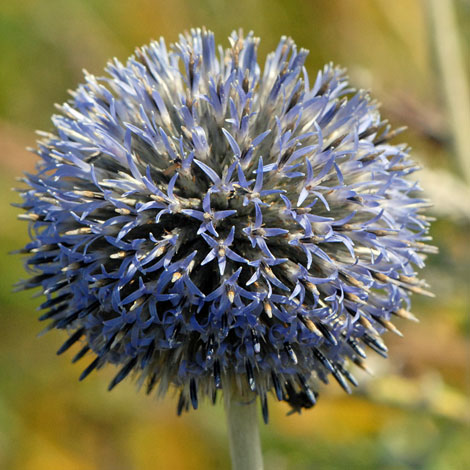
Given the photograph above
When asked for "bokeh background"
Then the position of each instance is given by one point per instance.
(414, 412)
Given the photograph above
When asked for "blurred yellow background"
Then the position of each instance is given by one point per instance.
(413, 414)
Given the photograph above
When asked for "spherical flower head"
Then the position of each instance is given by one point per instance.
(205, 223)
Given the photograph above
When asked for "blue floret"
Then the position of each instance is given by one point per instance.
(204, 223)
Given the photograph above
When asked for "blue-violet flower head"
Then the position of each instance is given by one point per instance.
(203, 222)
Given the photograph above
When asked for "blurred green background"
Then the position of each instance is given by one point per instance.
(412, 414)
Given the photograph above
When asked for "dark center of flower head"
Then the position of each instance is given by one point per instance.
(206, 223)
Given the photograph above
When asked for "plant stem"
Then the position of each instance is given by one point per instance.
(446, 41)
(243, 432)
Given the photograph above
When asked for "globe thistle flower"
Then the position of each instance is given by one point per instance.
(203, 223)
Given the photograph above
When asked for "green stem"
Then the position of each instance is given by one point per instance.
(243, 432)
(450, 58)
